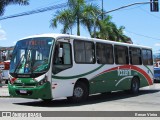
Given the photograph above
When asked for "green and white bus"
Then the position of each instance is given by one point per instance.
(50, 66)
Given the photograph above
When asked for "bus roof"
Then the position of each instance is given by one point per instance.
(56, 36)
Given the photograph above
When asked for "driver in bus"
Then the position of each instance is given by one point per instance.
(26, 69)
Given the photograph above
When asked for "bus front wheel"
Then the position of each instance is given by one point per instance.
(80, 92)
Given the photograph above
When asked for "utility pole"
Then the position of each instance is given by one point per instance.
(102, 10)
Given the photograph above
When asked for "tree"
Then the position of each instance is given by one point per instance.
(90, 17)
(4, 3)
(109, 30)
(78, 12)
(105, 28)
(65, 18)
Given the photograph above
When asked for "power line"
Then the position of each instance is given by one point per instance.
(150, 13)
(44, 4)
(143, 35)
(36, 11)
(40, 10)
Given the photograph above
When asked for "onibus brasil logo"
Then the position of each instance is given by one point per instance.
(21, 114)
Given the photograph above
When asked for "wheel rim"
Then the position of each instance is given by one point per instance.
(78, 92)
(135, 86)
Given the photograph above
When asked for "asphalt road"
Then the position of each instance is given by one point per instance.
(147, 100)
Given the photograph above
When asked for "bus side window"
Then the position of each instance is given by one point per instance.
(84, 52)
(121, 54)
(104, 53)
(135, 56)
(147, 57)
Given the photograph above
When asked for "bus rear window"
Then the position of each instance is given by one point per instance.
(147, 57)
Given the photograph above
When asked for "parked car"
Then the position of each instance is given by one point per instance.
(156, 74)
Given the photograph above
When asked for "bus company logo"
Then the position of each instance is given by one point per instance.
(124, 72)
(6, 114)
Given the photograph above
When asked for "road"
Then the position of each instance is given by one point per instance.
(147, 100)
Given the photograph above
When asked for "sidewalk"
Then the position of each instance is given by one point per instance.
(4, 91)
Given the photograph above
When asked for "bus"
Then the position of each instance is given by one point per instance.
(50, 66)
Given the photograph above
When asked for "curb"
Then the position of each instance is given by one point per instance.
(4, 91)
(3, 96)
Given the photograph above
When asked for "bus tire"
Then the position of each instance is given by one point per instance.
(47, 100)
(135, 85)
(80, 93)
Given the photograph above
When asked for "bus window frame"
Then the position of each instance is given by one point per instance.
(112, 52)
(130, 55)
(126, 55)
(147, 56)
(93, 45)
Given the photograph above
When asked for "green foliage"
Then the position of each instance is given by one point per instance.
(109, 31)
(4, 3)
(78, 13)
(88, 15)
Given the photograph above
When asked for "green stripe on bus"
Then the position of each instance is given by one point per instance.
(149, 70)
(77, 76)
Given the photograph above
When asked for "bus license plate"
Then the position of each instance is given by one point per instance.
(23, 91)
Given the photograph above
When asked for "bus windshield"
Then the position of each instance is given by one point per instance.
(31, 55)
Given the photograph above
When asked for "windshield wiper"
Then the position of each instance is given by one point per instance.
(18, 63)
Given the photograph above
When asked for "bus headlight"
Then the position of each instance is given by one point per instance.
(12, 80)
(43, 81)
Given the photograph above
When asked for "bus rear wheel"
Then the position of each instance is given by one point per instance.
(47, 100)
(135, 85)
(80, 92)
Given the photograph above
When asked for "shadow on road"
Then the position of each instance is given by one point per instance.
(94, 99)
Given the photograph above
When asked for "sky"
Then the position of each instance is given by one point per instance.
(141, 25)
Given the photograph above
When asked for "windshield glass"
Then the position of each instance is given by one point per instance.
(31, 55)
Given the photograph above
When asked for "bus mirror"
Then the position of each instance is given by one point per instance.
(60, 54)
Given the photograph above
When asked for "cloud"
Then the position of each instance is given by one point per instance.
(2, 34)
(157, 44)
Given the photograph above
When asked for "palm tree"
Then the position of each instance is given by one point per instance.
(65, 18)
(78, 12)
(4, 3)
(90, 17)
(106, 29)
(109, 30)
(77, 7)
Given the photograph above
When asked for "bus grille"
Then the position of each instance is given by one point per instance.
(25, 85)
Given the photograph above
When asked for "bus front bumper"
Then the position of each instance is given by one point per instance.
(42, 92)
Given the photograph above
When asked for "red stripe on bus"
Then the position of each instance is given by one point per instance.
(132, 68)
